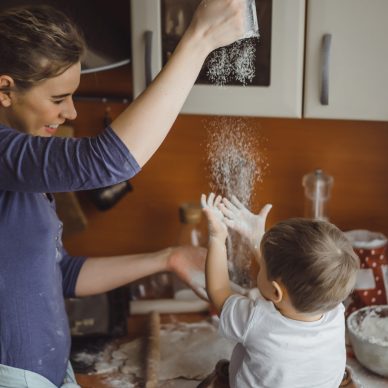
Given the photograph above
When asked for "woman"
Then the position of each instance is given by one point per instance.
(40, 53)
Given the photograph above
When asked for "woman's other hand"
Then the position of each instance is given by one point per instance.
(188, 263)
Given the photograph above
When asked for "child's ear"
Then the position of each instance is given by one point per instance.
(278, 292)
(6, 83)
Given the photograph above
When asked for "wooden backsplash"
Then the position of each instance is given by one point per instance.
(353, 152)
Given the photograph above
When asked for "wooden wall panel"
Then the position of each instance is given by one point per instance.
(353, 152)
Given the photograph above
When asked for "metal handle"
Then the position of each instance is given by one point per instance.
(326, 45)
(148, 56)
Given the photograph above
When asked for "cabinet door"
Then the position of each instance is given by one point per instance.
(277, 90)
(347, 79)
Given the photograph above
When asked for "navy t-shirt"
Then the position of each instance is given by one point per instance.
(36, 272)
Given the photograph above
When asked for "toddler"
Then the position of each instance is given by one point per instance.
(293, 334)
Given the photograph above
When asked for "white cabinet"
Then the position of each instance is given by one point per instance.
(279, 96)
(356, 82)
(339, 70)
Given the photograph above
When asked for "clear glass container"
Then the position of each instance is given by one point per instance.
(317, 189)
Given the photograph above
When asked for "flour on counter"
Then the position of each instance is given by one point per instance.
(362, 378)
(188, 351)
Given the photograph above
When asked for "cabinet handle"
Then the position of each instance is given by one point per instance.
(148, 56)
(326, 45)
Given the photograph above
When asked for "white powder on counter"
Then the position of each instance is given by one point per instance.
(188, 350)
(120, 382)
(362, 377)
(84, 357)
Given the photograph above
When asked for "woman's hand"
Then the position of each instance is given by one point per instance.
(239, 218)
(188, 263)
(210, 206)
(219, 22)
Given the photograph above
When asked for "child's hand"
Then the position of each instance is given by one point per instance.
(210, 206)
(240, 219)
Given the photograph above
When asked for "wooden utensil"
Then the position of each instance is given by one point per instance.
(153, 351)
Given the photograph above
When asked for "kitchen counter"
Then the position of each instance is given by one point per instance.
(138, 327)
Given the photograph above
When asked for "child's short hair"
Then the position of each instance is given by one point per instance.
(314, 261)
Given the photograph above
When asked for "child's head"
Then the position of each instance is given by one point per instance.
(313, 260)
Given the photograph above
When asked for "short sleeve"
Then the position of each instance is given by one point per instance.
(236, 317)
(54, 164)
(70, 268)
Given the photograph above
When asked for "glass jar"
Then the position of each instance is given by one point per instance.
(317, 189)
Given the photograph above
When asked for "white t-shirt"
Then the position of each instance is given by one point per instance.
(278, 352)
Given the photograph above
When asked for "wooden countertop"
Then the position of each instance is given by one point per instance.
(137, 327)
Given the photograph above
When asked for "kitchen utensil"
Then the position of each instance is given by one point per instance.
(368, 334)
(153, 351)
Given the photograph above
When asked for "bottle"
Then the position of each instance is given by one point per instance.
(190, 216)
(190, 233)
(317, 189)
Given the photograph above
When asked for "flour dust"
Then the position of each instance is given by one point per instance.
(374, 328)
(233, 62)
(187, 351)
(237, 162)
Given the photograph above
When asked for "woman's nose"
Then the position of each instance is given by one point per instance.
(69, 112)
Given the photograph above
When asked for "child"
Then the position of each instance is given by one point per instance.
(293, 334)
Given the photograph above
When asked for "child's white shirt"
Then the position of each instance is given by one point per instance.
(278, 352)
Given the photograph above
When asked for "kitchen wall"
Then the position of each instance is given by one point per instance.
(353, 152)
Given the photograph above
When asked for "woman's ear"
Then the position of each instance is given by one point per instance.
(6, 84)
(278, 292)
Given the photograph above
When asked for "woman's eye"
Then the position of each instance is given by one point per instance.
(57, 101)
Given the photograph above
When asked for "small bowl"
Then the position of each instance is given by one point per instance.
(369, 340)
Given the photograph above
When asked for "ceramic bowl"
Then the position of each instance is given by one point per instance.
(368, 334)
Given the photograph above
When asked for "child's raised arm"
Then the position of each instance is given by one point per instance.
(239, 218)
(217, 276)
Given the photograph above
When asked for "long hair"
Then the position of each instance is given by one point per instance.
(36, 43)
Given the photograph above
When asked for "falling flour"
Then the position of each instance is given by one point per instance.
(237, 61)
(234, 62)
(236, 163)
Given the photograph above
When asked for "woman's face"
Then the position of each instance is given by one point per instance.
(40, 110)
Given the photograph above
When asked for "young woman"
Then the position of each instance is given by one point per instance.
(40, 53)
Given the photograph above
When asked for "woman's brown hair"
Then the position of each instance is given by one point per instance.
(37, 43)
(314, 261)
